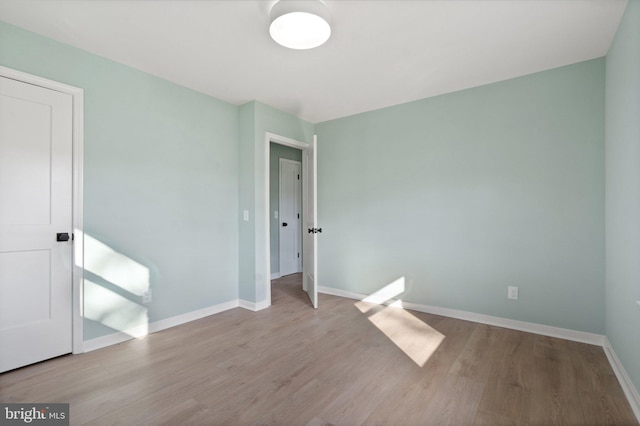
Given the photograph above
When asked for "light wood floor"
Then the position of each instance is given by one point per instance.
(343, 364)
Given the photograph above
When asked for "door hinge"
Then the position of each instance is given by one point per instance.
(298, 215)
(298, 255)
(298, 177)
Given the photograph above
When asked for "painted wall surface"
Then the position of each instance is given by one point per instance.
(247, 253)
(467, 193)
(160, 186)
(277, 152)
(255, 276)
(623, 192)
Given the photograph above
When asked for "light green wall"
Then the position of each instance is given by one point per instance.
(160, 182)
(247, 254)
(467, 193)
(277, 152)
(623, 191)
(254, 271)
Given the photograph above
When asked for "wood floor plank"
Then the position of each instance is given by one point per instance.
(456, 402)
(599, 390)
(507, 393)
(338, 365)
(482, 349)
(555, 396)
(357, 400)
(299, 409)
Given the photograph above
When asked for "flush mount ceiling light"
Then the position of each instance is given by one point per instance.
(300, 24)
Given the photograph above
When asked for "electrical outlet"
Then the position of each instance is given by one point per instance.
(146, 296)
(275, 214)
(245, 215)
(512, 292)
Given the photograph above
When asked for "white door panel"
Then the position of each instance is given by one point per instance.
(310, 249)
(289, 212)
(29, 161)
(28, 271)
(35, 204)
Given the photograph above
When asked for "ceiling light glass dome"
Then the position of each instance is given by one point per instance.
(300, 24)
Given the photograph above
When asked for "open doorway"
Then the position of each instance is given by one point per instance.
(285, 210)
(285, 222)
(307, 217)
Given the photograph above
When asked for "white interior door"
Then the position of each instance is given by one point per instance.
(290, 217)
(310, 249)
(35, 205)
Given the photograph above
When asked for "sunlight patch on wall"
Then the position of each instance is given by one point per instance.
(118, 269)
(414, 337)
(114, 311)
(387, 293)
(106, 303)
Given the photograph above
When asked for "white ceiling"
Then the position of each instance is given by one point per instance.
(380, 53)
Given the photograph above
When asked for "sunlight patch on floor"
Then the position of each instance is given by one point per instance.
(413, 336)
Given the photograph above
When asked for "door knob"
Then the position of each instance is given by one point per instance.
(285, 224)
(62, 236)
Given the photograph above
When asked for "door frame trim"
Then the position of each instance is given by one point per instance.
(77, 272)
(265, 281)
(299, 224)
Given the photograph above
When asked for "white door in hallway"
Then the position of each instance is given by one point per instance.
(290, 214)
(35, 205)
(311, 230)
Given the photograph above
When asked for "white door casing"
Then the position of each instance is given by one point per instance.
(310, 240)
(40, 196)
(290, 220)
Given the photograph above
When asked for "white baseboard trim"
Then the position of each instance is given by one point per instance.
(275, 275)
(544, 330)
(143, 330)
(111, 339)
(192, 316)
(627, 385)
(254, 306)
